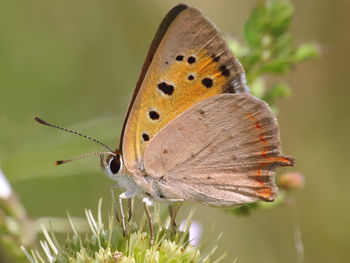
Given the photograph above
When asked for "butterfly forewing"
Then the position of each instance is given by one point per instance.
(221, 152)
(191, 62)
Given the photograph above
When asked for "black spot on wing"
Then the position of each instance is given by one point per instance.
(179, 58)
(224, 71)
(207, 82)
(191, 60)
(190, 77)
(153, 115)
(215, 58)
(166, 88)
(145, 137)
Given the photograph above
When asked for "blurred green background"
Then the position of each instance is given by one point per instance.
(75, 63)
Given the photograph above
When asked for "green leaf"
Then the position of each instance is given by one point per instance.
(276, 66)
(283, 45)
(257, 88)
(252, 59)
(245, 209)
(280, 16)
(306, 51)
(277, 91)
(254, 27)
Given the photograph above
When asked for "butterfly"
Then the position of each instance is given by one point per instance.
(192, 131)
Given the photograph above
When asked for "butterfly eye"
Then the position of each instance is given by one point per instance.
(115, 164)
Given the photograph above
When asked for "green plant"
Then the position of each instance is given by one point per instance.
(270, 49)
(107, 243)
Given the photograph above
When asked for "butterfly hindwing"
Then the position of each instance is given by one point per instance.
(189, 62)
(223, 152)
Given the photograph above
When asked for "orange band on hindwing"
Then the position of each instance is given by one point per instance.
(265, 192)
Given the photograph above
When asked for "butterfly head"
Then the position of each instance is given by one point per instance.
(112, 164)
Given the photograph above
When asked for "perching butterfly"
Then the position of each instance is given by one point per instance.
(193, 132)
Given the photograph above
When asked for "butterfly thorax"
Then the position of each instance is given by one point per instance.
(114, 168)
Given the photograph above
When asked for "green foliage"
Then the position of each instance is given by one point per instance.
(270, 48)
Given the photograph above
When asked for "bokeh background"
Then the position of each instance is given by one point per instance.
(76, 63)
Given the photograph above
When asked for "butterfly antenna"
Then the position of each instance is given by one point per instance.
(82, 157)
(41, 121)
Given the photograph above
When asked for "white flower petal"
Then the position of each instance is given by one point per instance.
(5, 188)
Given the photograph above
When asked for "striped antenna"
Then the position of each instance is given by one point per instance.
(41, 121)
(82, 157)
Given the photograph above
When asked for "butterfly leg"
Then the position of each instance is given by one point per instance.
(131, 208)
(173, 209)
(114, 186)
(122, 214)
(146, 203)
(126, 195)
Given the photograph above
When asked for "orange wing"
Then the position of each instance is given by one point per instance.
(188, 62)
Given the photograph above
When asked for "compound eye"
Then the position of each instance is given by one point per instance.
(115, 164)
